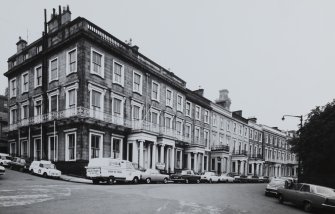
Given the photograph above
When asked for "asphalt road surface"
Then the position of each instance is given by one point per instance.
(25, 193)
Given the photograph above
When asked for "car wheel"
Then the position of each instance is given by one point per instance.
(210, 181)
(135, 180)
(280, 198)
(110, 181)
(32, 171)
(186, 181)
(165, 181)
(45, 175)
(198, 181)
(148, 180)
(307, 206)
(95, 181)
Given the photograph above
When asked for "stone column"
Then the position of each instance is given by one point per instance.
(252, 169)
(162, 154)
(167, 158)
(181, 159)
(153, 165)
(195, 162)
(257, 169)
(203, 163)
(121, 149)
(222, 164)
(112, 152)
(127, 151)
(135, 152)
(189, 165)
(242, 167)
(141, 153)
(149, 155)
(172, 159)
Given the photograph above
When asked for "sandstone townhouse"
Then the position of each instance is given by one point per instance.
(79, 93)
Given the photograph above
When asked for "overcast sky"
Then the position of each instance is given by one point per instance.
(274, 57)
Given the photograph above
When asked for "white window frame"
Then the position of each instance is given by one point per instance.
(56, 151)
(102, 75)
(197, 107)
(67, 155)
(51, 60)
(35, 76)
(10, 148)
(195, 132)
(158, 91)
(116, 96)
(206, 119)
(171, 119)
(22, 82)
(141, 82)
(181, 107)
(100, 143)
(122, 73)
(21, 147)
(26, 103)
(39, 98)
(137, 104)
(190, 110)
(11, 89)
(120, 146)
(67, 95)
(166, 100)
(208, 137)
(190, 126)
(68, 71)
(214, 120)
(92, 88)
(35, 151)
(54, 93)
(158, 116)
(181, 126)
(11, 114)
(222, 123)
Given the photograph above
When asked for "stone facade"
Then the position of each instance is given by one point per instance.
(79, 93)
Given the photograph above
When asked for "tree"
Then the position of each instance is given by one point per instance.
(315, 146)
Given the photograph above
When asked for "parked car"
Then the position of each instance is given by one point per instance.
(252, 179)
(19, 164)
(209, 177)
(5, 159)
(226, 177)
(243, 178)
(308, 196)
(186, 176)
(275, 183)
(263, 179)
(153, 175)
(2, 170)
(234, 175)
(45, 168)
(112, 170)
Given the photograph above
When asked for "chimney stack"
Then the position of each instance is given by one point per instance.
(57, 20)
(224, 99)
(21, 44)
(200, 92)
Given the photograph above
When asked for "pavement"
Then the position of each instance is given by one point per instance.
(75, 179)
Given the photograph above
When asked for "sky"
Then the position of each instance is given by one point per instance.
(274, 57)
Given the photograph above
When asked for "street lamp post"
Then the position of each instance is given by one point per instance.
(299, 151)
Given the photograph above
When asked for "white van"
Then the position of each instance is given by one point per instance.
(45, 168)
(112, 170)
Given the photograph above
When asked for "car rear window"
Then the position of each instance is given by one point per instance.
(324, 191)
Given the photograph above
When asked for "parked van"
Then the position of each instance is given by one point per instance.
(44, 168)
(112, 170)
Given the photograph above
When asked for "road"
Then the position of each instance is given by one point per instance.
(25, 193)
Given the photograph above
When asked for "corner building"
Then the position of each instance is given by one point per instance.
(79, 93)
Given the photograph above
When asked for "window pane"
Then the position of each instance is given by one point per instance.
(54, 103)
